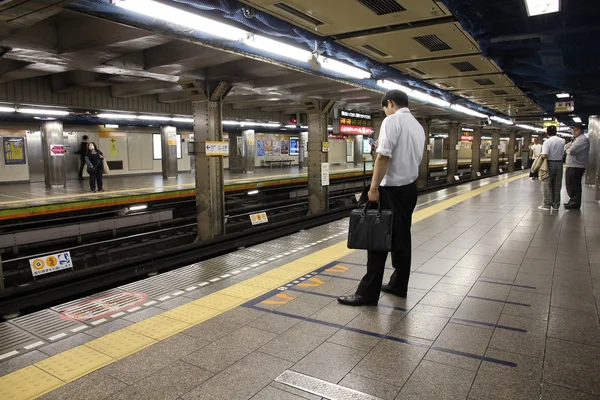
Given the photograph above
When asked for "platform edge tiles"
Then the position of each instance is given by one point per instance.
(47, 375)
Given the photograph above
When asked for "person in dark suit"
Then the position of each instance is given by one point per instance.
(83, 148)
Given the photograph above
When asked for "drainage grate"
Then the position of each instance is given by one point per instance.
(299, 14)
(321, 388)
(375, 50)
(12, 338)
(432, 42)
(46, 324)
(464, 66)
(382, 7)
(417, 71)
(484, 82)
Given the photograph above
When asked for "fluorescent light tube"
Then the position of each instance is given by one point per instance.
(42, 111)
(563, 95)
(415, 94)
(577, 119)
(138, 207)
(290, 126)
(501, 120)
(539, 7)
(111, 125)
(117, 116)
(7, 109)
(343, 68)
(530, 127)
(468, 111)
(252, 192)
(184, 120)
(153, 118)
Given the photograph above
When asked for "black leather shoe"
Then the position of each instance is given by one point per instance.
(571, 207)
(356, 300)
(388, 289)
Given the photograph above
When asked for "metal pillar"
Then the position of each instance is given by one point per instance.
(476, 152)
(525, 149)
(424, 166)
(358, 149)
(55, 174)
(591, 171)
(495, 162)
(248, 151)
(452, 166)
(512, 144)
(206, 100)
(168, 136)
(318, 193)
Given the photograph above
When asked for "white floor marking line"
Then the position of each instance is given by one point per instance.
(191, 288)
(214, 280)
(236, 272)
(203, 284)
(178, 293)
(79, 329)
(225, 276)
(164, 298)
(9, 354)
(150, 303)
(56, 337)
(134, 309)
(98, 322)
(117, 315)
(33, 345)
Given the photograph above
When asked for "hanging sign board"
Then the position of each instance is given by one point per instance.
(352, 123)
(50, 263)
(260, 218)
(217, 149)
(57, 150)
(324, 174)
(564, 106)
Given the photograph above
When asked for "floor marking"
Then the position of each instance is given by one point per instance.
(98, 322)
(509, 328)
(246, 268)
(134, 309)
(150, 303)
(225, 276)
(215, 280)
(79, 328)
(509, 284)
(164, 298)
(117, 315)
(320, 387)
(203, 284)
(499, 301)
(191, 288)
(56, 337)
(9, 354)
(236, 272)
(178, 293)
(33, 345)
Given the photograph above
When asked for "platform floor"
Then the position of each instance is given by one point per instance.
(503, 304)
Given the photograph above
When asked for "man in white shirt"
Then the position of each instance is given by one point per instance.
(578, 152)
(553, 150)
(399, 153)
(536, 150)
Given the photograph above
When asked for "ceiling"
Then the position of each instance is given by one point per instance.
(418, 37)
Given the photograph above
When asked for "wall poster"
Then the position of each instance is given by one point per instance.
(294, 146)
(285, 148)
(14, 150)
(260, 148)
(269, 147)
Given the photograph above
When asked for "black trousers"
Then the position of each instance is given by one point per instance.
(82, 165)
(404, 200)
(573, 178)
(96, 177)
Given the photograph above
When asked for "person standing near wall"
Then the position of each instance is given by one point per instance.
(553, 151)
(536, 150)
(83, 148)
(93, 159)
(578, 152)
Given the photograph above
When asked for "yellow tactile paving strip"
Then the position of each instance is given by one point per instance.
(51, 373)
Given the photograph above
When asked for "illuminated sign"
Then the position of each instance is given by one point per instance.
(352, 123)
(464, 137)
(355, 130)
(294, 146)
(564, 106)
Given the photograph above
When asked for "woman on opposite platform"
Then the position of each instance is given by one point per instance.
(93, 159)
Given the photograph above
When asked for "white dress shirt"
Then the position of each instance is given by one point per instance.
(536, 149)
(554, 148)
(402, 139)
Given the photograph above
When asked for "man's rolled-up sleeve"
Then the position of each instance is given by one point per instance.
(387, 140)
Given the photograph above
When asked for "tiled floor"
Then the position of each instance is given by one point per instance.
(503, 304)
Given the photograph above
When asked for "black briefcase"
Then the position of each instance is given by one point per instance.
(371, 229)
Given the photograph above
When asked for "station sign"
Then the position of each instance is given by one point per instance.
(324, 174)
(466, 137)
(50, 263)
(258, 219)
(564, 106)
(352, 123)
(217, 149)
(57, 150)
(325, 147)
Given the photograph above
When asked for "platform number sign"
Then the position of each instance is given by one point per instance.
(50, 263)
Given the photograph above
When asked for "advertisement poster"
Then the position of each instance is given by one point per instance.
(260, 148)
(269, 147)
(276, 148)
(14, 150)
(294, 146)
(285, 148)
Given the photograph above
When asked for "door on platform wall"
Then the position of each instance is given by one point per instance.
(139, 151)
(71, 142)
(35, 156)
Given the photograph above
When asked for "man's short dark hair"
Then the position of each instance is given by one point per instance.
(551, 130)
(578, 126)
(85, 137)
(395, 95)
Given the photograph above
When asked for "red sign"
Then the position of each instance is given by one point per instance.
(57, 150)
(466, 138)
(103, 306)
(355, 130)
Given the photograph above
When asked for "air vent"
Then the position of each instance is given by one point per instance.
(300, 14)
(382, 7)
(432, 43)
(464, 66)
(485, 82)
(520, 105)
(375, 50)
(445, 85)
(510, 100)
(417, 71)
(500, 92)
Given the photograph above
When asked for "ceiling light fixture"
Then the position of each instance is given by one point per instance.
(530, 127)
(501, 120)
(42, 111)
(183, 120)
(577, 120)
(187, 19)
(415, 94)
(153, 118)
(468, 111)
(117, 116)
(539, 7)
(252, 192)
(113, 126)
(7, 109)
(563, 95)
(138, 207)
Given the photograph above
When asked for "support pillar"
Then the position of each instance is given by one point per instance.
(206, 97)
(168, 138)
(423, 179)
(318, 191)
(358, 149)
(55, 174)
(248, 151)
(476, 153)
(512, 144)
(495, 157)
(452, 166)
(525, 149)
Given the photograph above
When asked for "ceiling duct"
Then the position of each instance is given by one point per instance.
(499, 92)
(375, 50)
(464, 66)
(432, 43)
(417, 71)
(382, 7)
(485, 82)
(299, 14)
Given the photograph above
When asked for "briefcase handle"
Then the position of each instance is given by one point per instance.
(365, 207)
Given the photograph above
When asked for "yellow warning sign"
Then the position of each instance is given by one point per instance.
(113, 147)
(260, 218)
(38, 264)
(50, 263)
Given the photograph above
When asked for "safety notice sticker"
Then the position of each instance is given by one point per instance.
(50, 263)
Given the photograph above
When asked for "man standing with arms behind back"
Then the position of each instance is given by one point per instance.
(399, 153)
(553, 150)
(578, 152)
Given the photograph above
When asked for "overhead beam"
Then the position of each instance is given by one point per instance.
(143, 88)
(70, 80)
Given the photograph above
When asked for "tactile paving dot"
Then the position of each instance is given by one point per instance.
(191, 313)
(218, 301)
(121, 343)
(75, 363)
(159, 327)
(243, 291)
(264, 282)
(27, 383)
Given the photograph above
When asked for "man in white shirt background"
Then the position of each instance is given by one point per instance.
(578, 152)
(553, 150)
(536, 150)
(399, 153)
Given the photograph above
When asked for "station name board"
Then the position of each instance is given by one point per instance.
(352, 123)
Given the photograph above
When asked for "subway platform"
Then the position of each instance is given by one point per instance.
(503, 304)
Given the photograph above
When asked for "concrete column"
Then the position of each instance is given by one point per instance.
(336, 120)
(476, 152)
(512, 144)
(168, 138)
(495, 152)
(358, 149)
(452, 142)
(55, 174)
(248, 150)
(318, 111)
(525, 149)
(236, 157)
(423, 179)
